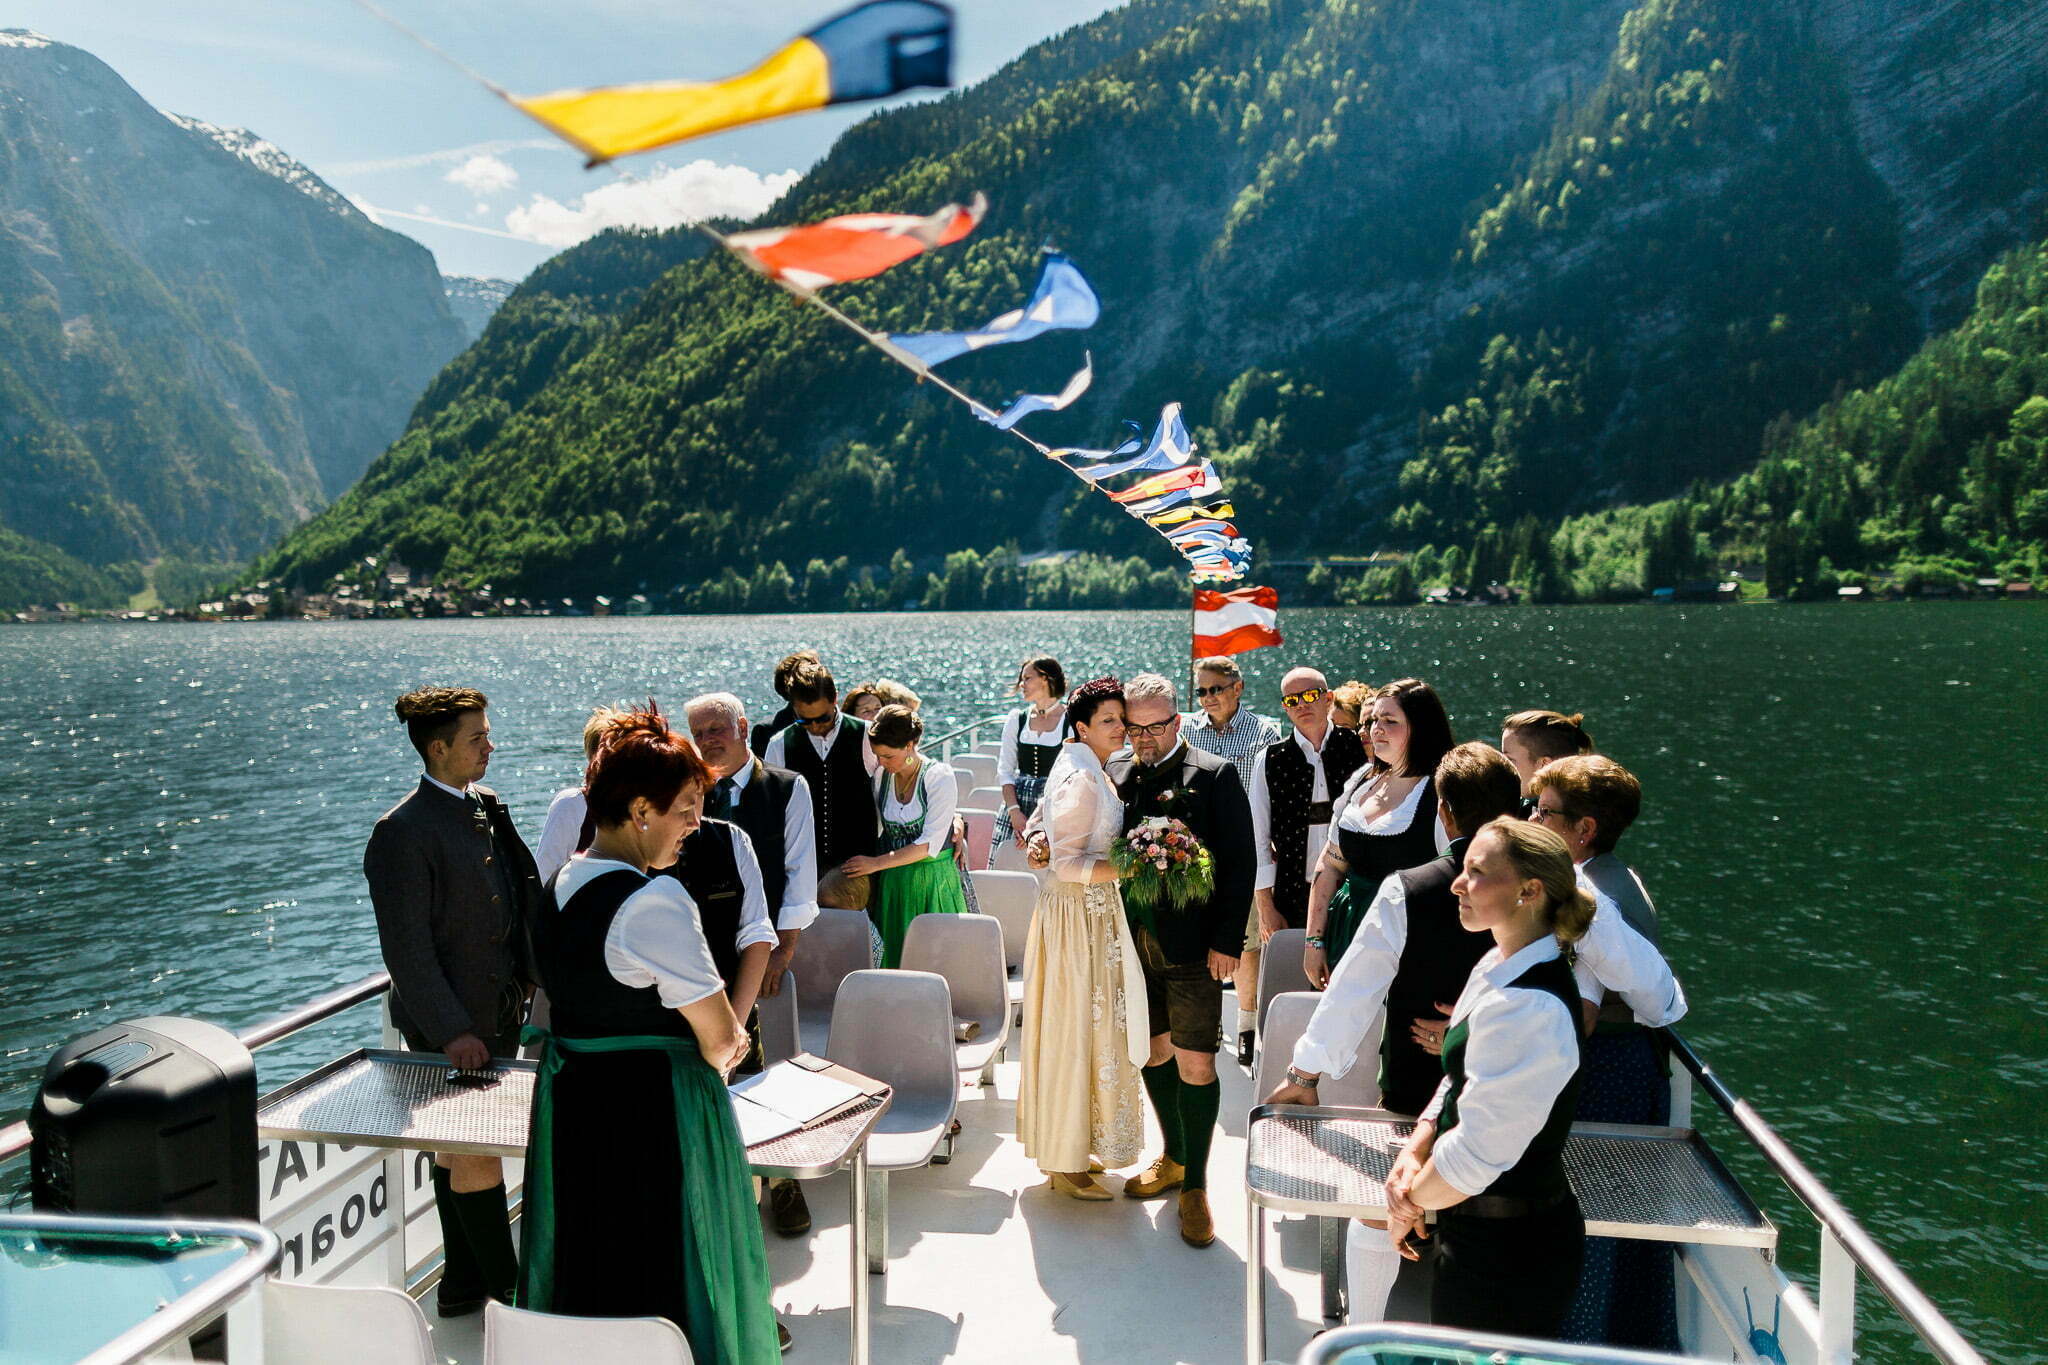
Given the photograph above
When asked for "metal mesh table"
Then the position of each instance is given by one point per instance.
(1663, 1184)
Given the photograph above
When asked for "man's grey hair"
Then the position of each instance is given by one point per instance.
(728, 707)
(1147, 686)
(1222, 665)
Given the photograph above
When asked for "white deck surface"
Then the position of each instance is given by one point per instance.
(988, 1265)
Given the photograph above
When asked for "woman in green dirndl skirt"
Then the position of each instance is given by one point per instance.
(639, 1202)
(915, 874)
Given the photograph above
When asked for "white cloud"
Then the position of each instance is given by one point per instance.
(670, 197)
(483, 174)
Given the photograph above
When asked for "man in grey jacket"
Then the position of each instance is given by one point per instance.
(452, 884)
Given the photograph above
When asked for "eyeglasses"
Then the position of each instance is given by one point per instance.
(1155, 730)
(1212, 691)
(1306, 697)
(1542, 812)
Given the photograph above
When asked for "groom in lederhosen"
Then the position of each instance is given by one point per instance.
(1194, 950)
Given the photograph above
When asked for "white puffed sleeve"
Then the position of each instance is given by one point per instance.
(657, 939)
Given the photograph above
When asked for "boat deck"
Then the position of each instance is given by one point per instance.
(987, 1265)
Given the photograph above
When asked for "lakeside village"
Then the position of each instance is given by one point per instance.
(392, 591)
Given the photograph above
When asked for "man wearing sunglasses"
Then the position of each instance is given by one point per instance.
(830, 752)
(1235, 735)
(1293, 784)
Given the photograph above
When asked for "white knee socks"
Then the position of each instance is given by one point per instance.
(1370, 1265)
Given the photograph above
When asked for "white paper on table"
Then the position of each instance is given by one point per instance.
(759, 1125)
(795, 1093)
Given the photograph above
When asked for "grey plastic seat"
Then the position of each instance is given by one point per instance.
(981, 832)
(1010, 898)
(1281, 969)
(520, 1336)
(967, 950)
(326, 1324)
(984, 798)
(1007, 857)
(781, 1031)
(835, 943)
(897, 1027)
(981, 767)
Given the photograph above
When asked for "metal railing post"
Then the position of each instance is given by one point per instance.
(1837, 1301)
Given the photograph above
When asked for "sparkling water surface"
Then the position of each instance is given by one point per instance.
(1843, 829)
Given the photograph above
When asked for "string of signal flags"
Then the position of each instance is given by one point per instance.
(868, 52)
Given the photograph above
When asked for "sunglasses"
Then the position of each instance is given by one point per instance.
(1306, 697)
(813, 722)
(1213, 690)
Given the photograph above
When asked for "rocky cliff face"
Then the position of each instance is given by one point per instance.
(200, 341)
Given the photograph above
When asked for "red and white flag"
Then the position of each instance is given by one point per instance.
(852, 247)
(1233, 622)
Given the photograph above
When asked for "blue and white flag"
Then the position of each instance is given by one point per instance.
(1063, 299)
(1170, 448)
(1029, 403)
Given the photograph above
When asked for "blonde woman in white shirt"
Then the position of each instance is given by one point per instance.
(1084, 990)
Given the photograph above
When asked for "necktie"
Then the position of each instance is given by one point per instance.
(721, 798)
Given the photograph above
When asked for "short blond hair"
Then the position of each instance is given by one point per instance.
(594, 729)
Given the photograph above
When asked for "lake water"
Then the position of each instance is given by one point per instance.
(1843, 829)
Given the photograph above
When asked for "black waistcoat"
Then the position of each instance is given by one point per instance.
(586, 1000)
(710, 871)
(1032, 760)
(1540, 1172)
(1290, 785)
(760, 812)
(1436, 959)
(1374, 857)
(842, 802)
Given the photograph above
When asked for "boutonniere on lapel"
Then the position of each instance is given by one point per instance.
(1171, 799)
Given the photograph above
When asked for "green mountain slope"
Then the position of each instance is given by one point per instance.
(1420, 272)
(200, 341)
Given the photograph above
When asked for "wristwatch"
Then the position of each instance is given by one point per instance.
(1302, 1078)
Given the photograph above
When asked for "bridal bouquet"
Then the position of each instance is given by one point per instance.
(1162, 860)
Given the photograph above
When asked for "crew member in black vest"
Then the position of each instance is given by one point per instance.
(1188, 953)
(1488, 1152)
(639, 1201)
(454, 888)
(831, 753)
(1412, 953)
(773, 806)
(785, 669)
(1294, 780)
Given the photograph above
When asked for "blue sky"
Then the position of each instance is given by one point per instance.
(404, 135)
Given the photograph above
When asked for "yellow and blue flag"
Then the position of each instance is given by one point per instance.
(864, 53)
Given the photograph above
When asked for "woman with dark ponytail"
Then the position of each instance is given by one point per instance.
(1488, 1153)
(639, 1202)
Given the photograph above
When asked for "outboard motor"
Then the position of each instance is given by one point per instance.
(151, 1116)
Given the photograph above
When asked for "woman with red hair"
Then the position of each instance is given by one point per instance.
(635, 1208)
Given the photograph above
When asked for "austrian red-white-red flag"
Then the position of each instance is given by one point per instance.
(853, 246)
(1233, 622)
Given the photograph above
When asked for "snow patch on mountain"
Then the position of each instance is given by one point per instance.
(268, 157)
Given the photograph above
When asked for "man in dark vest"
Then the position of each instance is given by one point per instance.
(830, 752)
(1190, 952)
(1294, 780)
(1412, 953)
(785, 669)
(773, 806)
(453, 885)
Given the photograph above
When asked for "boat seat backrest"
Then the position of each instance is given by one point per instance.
(519, 1336)
(326, 1324)
(976, 770)
(1288, 1018)
(1010, 858)
(897, 1026)
(1010, 898)
(981, 832)
(781, 1037)
(967, 950)
(835, 943)
(1280, 967)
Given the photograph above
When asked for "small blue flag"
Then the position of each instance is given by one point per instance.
(1029, 403)
(1063, 299)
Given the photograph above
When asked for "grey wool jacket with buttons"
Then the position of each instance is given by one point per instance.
(452, 914)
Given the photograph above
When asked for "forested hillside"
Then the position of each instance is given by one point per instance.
(1426, 275)
(200, 341)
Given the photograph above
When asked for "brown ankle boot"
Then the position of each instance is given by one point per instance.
(1197, 1228)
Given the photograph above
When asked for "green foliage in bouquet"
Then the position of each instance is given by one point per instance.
(1162, 861)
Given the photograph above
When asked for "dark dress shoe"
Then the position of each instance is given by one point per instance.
(787, 1211)
(783, 1340)
(1244, 1048)
(458, 1306)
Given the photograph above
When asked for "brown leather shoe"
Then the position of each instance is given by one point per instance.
(1197, 1228)
(1161, 1177)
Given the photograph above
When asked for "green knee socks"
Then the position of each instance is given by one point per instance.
(1198, 1108)
(1163, 1084)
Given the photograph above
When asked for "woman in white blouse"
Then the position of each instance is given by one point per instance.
(1084, 991)
(916, 872)
(1488, 1153)
(639, 1202)
(1030, 746)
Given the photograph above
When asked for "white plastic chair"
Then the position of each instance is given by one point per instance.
(834, 944)
(981, 767)
(967, 950)
(897, 1027)
(781, 1029)
(1011, 898)
(519, 1336)
(1358, 1088)
(981, 831)
(1281, 969)
(327, 1324)
(1007, 857)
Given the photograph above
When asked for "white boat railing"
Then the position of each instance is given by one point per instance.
(966, 737)
(1845, 1247)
